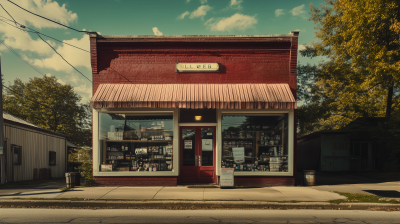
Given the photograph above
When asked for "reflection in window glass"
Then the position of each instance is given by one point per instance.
(136, 143)
(255, 143)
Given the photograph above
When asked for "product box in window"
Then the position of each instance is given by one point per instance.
(106, 167)
(115, 135)
(132, 135)
(122, 168)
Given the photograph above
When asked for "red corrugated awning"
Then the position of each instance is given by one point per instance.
(194, 96)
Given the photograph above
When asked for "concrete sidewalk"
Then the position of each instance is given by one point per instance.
(181, 193)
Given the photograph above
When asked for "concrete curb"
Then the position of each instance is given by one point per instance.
(91, 204)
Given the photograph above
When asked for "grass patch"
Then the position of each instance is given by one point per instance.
(292, 201)
(24, 183)
(356, 198)
(70, 199)
(65, 189)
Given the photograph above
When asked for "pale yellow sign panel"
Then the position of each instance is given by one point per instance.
(197, 67)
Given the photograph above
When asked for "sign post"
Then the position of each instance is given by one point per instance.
(2, 156)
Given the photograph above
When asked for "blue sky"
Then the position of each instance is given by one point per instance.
(132, 17)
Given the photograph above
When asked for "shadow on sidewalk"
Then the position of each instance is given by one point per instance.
(340, 178)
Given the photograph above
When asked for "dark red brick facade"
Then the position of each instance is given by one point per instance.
(141, 60)
(257, 181)
(135, 181)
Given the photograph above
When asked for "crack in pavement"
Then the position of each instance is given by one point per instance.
(108, 192)
(157, 192)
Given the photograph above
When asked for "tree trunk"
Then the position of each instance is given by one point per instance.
(389, 103)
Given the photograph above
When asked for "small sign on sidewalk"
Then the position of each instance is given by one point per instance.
(226, 178)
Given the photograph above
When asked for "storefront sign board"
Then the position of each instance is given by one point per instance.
(197, 67)
(226, 177)
(238, 154)
(188, 144)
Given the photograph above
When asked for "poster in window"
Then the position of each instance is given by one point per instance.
(238, 154)
(207, 145)
(188, 144)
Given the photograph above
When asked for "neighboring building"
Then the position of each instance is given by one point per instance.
(340, 150)
(173, 110)
(32, 152)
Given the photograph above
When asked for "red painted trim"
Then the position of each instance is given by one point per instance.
(197, 149)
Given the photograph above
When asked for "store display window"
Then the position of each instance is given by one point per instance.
(255, 143)
(136, 143)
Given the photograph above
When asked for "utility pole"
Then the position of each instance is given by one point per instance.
(2, 154)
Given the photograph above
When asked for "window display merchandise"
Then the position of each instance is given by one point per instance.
(255, 143)
(136, 143)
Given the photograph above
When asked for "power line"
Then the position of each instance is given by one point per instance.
(46, 18)
(30, 99)
(9, 14)
(34, 31)
(64, 58)
(37, 33)
(16, 53)
(121, 75)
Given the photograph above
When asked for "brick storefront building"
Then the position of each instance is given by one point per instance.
(174, 110)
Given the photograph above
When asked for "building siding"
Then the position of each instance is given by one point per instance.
(335, 152)
(35, 153)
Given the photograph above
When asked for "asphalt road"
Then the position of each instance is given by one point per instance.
(12, 215)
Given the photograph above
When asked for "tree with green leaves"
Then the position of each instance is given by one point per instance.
(51, 105)
(360, 41)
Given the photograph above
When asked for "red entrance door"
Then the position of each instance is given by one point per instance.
(197, 154)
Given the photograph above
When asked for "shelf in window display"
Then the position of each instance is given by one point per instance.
(268, 145)
(249, 139)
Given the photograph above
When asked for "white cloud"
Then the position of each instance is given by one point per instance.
(73, 55)
(85, 91)
(299, 11)
(182, 16)
(235, 4)
(156, 31)
(279, 12)
(237, 21)
(200, 12)
(301, 47)
(20, 40)
(79, 84)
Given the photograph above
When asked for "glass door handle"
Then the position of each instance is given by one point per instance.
(195, 161)
(199, 160)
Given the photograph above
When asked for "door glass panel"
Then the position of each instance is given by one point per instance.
(207, 147)
(188, 149)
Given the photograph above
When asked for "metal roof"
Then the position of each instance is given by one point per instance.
(194, 96)
(11, 119)
(18, 120)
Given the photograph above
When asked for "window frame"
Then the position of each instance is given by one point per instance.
(52, 154)
(135, 111)
(255, 112)
(19, 149)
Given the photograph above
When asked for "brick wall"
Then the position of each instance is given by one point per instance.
(263, 181)
(148, 62)
(135, 181)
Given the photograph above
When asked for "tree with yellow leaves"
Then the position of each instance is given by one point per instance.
(361, 41)
(49, 104)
